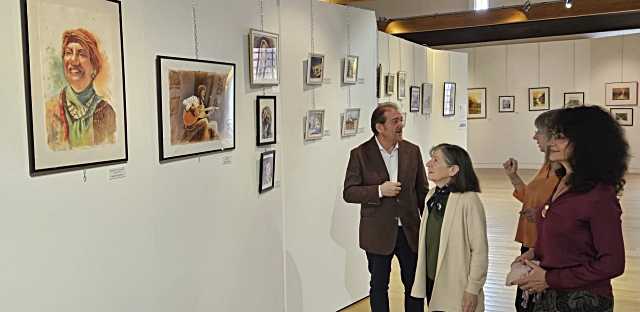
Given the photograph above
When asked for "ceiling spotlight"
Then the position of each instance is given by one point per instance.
(526, 6)
(568, 3)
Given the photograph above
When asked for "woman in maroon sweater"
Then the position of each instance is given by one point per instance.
(580, 245)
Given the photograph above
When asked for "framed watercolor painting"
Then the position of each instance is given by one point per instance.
(74, 84)
(265, 120)
(264, 60)
(196, 106)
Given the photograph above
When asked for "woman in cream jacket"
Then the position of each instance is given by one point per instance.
(453, 249)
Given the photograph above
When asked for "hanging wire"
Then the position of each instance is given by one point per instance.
(622, 61)
(539, 66)
(574, 65)
(195, 29)
(413, 56)
(349, 53)
(506, 69)
(264, 89)
(313, 91)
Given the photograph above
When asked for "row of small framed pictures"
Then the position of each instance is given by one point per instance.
(617, 94)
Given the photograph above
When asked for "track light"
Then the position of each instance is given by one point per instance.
(568, 3)
(526, 6)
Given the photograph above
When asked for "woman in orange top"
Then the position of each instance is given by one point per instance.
(532, 195)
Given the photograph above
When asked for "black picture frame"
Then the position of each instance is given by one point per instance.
(501, 109)
(226, 138)
(378, 81)
(267, 174)
(568, 105)
(73, 160)
(263, 109)
(547, 104)
(449, 99)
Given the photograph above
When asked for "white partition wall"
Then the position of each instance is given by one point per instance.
(194, 235)
(325, 269)
(563, 66)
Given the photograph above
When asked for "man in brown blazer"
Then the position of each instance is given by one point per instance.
(387, 178)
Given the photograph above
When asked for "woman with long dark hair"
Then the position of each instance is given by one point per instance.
(580, 245)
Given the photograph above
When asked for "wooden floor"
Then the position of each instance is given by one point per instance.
(501, 211)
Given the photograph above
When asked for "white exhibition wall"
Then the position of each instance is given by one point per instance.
(425, 65)
(563, 66)
(194, 234)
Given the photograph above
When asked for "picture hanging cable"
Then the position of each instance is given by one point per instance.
(264, 89)
(195, 28)
(400, 53)
(261, 16)
(413, 57)
(574, 65)
(539, 66)
(348, 53)
(313, 91)
(475, 66)
(388, 53)
(506, 69)
(622, 61)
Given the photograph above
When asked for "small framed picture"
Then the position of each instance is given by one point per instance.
(427, 93)
(402, 84)
(350, 70)
(267, 171)
(414, 99)
(573, 99)
(315, 69)
(390, 83)
(265, 120)
(350, 121)
(477, 103)
(314, 125)
(263, 58)
(449, 99)
(539, 99)
(624, 116)
(621, 93)
(506, 104)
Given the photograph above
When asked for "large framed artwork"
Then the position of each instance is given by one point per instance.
(196, 106)
(506, 104)
(573, 99)
(265, 120)
(350, 70)
(74, 84)
(264, 59)
(623, 115)
(449, 99)
(267, 171)
(315, 69)
(427, 93)
(621, 93)
(350, 122)
(402, 84)
(477, 103)
(314, 126)
(414, 99)
(539, 98)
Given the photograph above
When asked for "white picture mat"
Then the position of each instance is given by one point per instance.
(227, 140)
(45, 30)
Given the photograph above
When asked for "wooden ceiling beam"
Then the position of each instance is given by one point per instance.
(507, 15)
